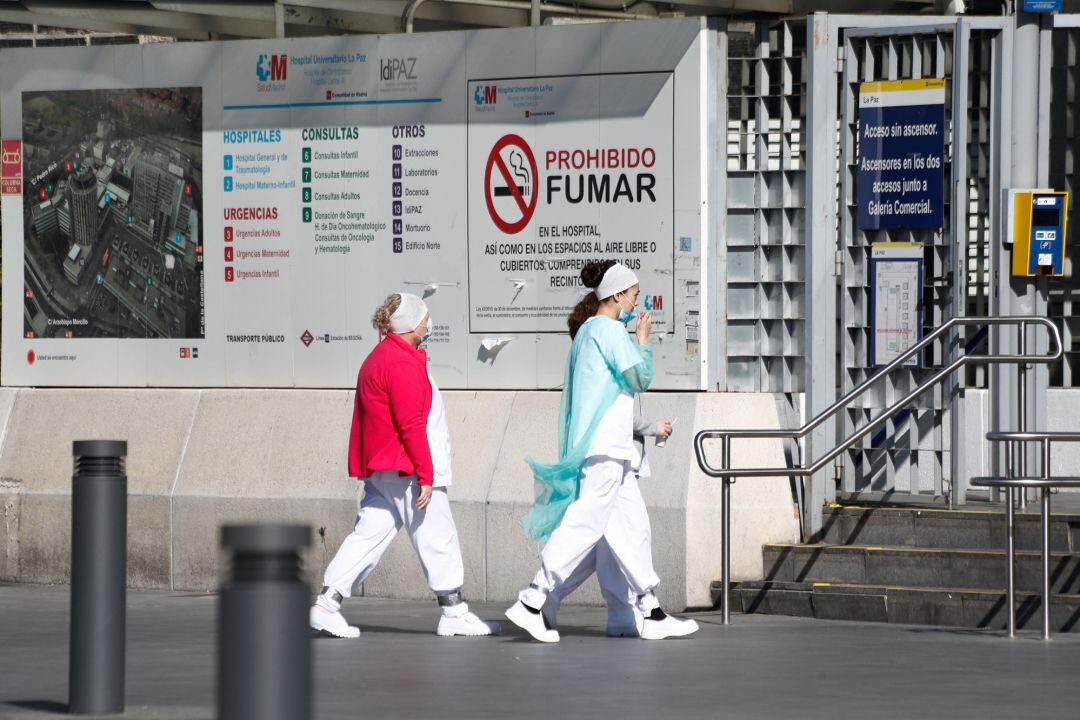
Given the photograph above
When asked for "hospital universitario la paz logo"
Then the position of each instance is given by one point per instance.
(271, 70)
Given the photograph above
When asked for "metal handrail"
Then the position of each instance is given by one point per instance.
(1028, 482)
(832, 410)
(728, 474)
(1033, 436)
(1011, 483)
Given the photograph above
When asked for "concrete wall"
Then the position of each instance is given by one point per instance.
(199, 459)
(976, 424)
(1063, 413)
(1062, 406)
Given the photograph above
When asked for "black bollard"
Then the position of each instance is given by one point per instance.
(98, 577)
(264, 651)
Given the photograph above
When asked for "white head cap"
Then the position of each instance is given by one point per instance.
(408, 315)
(617, 278)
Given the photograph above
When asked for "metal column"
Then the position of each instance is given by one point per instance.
(820, 256)
(1022, 296)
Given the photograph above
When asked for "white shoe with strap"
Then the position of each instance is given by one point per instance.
(468, 625)
(532, 622)
(660, 626)
(331, 623)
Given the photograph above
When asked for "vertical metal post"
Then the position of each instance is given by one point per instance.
(534, 13)
(1046, 541)
(1021, 418)
(98, 578)
(264, 652)
(1010, 541)
(995, 492)
(725, 511)
(1010, 545)
(959, 472)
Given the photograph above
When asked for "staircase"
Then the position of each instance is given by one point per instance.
(919, 565)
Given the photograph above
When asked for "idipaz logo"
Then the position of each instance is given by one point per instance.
(394, 69)
(654, 302)
(271, 71)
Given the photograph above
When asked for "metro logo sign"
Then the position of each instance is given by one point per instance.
(11, 167)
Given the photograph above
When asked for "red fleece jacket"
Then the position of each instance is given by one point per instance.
(393, 400)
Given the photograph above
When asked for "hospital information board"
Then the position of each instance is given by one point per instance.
(230, 214)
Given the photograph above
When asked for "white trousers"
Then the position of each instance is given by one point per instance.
(610, 518)
(615, 587)
(389, 504)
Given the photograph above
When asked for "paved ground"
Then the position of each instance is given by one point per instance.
(759, 667)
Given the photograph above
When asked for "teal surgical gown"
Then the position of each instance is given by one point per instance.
(604, 361)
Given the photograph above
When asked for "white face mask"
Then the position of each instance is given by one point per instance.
(428, 330)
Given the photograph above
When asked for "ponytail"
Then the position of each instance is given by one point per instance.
(585, 309)
(381, 319)
(591, 276)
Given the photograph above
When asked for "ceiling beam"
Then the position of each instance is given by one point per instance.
(442, 12)
(145, 15)
(25, 17)
(243, 11)
(729, 7)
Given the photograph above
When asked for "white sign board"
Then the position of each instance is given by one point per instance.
(231, 214)
(574, 169)
(895, 299)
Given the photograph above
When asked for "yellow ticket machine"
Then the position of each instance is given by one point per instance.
(1035, 224)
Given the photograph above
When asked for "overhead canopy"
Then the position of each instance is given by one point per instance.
(51, 22)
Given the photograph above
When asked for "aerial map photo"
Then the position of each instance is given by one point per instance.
(113, 213)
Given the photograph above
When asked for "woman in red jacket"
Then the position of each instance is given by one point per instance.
(400, 446)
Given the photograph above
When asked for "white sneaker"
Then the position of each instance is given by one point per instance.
(669, 627)
(468, 625)
(532, 623)
(331, 623)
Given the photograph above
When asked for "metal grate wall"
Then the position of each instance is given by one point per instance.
(765, 207)
(911, 453)
(978, 249)
(1064, 293)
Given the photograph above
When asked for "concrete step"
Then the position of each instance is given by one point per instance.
(917, 567)
(950, 607)
(898, 526)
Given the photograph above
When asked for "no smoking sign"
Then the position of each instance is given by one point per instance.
(510, 184)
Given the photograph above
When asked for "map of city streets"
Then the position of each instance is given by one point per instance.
(112, 199)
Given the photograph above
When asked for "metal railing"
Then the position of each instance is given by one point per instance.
(1044, 483)
(729, 474)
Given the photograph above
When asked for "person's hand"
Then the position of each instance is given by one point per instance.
(663, 428)
(644, 327)
(424, 498)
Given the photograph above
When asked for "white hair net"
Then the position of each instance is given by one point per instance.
(617, 278)
(408, 315)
